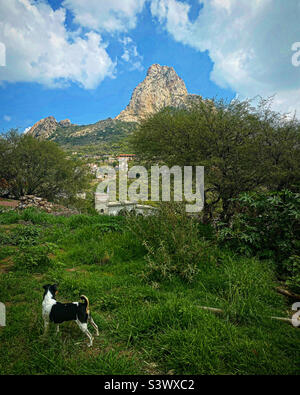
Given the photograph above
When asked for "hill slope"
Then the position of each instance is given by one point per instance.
(161, 88)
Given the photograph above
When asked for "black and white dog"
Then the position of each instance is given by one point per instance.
(58, 313)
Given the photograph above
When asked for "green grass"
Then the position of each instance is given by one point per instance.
(145, 327)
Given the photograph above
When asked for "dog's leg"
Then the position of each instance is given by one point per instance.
(57, 329)
(46, 326)
(84, 328)
(94, 325)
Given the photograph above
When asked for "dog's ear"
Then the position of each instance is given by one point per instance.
(46, 287)
(54, 288)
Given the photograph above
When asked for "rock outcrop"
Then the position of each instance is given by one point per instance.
(161, 88)
(65, 123)
(44, 128)
(34, 201)
(47, 126)
(30, 201)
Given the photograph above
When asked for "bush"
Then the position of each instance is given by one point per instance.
(267, 226)
(32, 259)
(173, 241)
(29, 166)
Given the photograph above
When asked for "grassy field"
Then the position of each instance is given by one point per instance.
(146, 326)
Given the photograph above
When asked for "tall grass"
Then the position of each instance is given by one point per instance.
(150, 323)
(175, 243)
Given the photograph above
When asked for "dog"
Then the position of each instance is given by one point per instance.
(58, 313)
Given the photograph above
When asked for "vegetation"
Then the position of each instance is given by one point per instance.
(175, 244)
(32, 167)
(149, 324)
(243, 148)
(104, 137)
(267, 225)
(148, 278)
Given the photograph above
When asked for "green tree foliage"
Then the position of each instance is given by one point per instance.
(242, 147)
(267, 225)
(32, 167)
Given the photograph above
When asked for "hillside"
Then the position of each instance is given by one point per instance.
(161, 88)
(105, 131)
(146, 327)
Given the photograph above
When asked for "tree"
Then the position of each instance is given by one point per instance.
(242, 147)
(32, 167)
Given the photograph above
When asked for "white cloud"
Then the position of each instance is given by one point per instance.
(7, 118)
(174, 14)
(249, 42)
(131, 55)
(125, 55)
(106, 15)
(39, 48)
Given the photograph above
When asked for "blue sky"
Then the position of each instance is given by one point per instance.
(82, 59)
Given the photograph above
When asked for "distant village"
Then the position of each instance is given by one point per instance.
(95, 161)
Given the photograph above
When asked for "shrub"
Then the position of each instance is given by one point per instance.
(27, 235)
(32, 259)
(267, 225)
(31, 166)
(173, 242)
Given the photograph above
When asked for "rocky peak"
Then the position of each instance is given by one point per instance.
(45, 127)
(65, 123)
(158, 69)
(162, 87)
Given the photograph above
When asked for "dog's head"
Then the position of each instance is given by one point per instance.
(50, 288)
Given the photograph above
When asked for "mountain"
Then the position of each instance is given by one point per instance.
(46, 127)
(107, 131)
(161, 88)
(64, 133)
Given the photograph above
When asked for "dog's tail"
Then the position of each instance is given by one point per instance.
(86, 303)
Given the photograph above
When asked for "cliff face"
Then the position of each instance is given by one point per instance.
(46, 127)
(162, 87)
